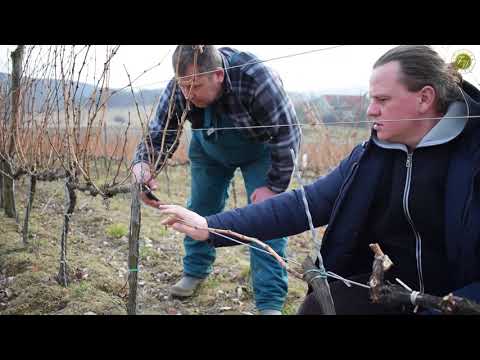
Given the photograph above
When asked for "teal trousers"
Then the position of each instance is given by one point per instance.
(214, 156)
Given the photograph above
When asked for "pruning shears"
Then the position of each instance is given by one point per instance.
(149, 193)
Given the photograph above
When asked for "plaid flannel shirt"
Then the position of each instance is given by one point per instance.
(253, 95)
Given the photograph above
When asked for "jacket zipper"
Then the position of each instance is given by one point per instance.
(418, 238)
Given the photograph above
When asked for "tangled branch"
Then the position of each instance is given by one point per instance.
(395, 295)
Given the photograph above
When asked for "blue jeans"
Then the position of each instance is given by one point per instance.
(214, 159)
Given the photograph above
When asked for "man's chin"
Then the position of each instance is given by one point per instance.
(199, 105)
(382, 136)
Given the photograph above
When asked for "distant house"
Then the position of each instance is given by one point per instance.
(345, 108)
(331, 108)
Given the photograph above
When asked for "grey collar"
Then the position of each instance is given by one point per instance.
(447, 129)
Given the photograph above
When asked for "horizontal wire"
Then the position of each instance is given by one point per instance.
(319, 125)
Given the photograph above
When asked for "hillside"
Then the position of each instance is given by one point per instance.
(121, 98)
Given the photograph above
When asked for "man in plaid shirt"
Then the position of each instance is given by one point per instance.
(241, 118)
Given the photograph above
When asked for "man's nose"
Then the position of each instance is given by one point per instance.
(186, 93)
(373, 110)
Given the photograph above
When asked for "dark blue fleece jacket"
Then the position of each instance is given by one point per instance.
(341, 199)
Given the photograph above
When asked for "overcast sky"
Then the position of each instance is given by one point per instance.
(345, 67)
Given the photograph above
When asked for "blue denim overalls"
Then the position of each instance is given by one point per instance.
(214, 156)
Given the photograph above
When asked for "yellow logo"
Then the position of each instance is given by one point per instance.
(463, 60)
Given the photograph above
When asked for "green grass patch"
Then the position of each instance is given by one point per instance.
(117, 230)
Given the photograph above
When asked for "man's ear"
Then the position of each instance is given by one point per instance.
(220, 74)
(426, 100)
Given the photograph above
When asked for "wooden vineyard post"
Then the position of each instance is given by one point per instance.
(320, 286)
(70, 202)
(313, 275)
(31, 194)
(133, 249)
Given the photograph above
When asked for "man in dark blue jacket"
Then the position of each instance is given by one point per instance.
(413, 187)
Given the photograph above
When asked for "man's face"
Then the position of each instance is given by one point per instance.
(201, 90)
(391, 100)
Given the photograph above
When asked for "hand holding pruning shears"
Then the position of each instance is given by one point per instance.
(142, 175)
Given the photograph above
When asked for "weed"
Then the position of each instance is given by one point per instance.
(116, 230)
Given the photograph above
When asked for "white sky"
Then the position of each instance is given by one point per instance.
(346, 67)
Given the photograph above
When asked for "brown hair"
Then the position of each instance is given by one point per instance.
(207, 56)
(420, 66)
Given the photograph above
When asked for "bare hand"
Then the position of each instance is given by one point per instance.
(141, 175)
(185, 221)
(262, 193)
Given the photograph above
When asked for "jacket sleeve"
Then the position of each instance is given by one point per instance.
(270, 105)
(470, 292)
(283, 214)
(150, 148)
